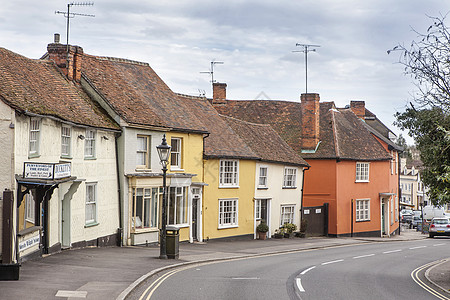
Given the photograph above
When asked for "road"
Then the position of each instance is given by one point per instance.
(389, 270)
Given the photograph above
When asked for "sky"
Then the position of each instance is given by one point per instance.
(254, 39)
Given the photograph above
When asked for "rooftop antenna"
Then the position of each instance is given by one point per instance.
(306, 49)
(69, 15)
(211, 71)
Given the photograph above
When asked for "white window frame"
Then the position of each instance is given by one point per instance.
(257, 209)
(30, 207)
(362, 210)
(287, 214)
(232, 214)
(91, 203)
(143, 152)
(290, 177)
(151, 196)
(392, 210)
(362, 172)
(175, 153)
(180, 208)
(262, 178)
(35, 136)
(90, 143)
(229, 173)
(66, 141)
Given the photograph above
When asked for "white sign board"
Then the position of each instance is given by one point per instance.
(318, 210)
(46, 170)
(306, 211)
(29, 243)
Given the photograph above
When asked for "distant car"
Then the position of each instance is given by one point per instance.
(407, 218)
(416, 221)
(439, 226)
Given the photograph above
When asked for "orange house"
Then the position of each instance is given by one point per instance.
(353, 163)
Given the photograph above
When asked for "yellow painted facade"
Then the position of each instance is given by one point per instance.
(191, 161)
(244, 193)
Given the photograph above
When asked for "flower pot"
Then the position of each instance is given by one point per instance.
(262, 235)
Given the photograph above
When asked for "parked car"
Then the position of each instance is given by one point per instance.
(439, 226)
(415, 221)
(406, 216)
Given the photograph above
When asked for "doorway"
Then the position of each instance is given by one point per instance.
(195, 201)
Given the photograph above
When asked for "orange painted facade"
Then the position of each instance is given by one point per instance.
(332, 182)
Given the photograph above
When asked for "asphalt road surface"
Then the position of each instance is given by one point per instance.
(390, 270)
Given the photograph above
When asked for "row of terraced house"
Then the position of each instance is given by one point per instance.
(79, 164)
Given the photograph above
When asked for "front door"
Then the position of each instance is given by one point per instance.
(65, 230)
(383, 219)
(195, 218)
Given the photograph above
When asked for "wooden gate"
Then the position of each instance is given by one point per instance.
(317, 218)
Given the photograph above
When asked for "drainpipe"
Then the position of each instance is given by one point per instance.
(303, 187)
(399, 192)
(351, 234)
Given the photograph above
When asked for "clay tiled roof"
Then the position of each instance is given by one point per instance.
(38, 87)
(342, 135)
(138, 94)
(265, 142)
(222, 141)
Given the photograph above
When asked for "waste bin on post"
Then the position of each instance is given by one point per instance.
(172, 241)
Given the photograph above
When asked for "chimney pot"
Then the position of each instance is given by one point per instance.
(57, 38)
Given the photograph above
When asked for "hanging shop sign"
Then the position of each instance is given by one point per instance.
(49, 171)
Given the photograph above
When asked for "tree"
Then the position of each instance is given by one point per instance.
(428, 62)
(401, 141)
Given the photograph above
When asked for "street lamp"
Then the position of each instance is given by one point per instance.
(164, 153)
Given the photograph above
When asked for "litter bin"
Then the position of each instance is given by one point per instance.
(172, 241)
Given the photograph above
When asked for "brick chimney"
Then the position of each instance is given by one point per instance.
(68, 59)
(219, 93)
(310, 121)
(358, 108)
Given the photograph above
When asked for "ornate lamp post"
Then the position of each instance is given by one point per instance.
(164, 153)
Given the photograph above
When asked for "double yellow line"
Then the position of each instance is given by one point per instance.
(152, 288)
(415, 277)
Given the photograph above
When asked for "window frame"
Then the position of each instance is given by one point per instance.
(263, 177)
(362, 211)
(34, 137)
(30, 207)
(234, 213)
(145, 152)
(289, 180)
(68, 139)
(90, 144)
(257, 209)
(288, 218)
(93, 203)
(151, 215)
(233, 175)
(178, 219)
(175, 152)
(362, 175)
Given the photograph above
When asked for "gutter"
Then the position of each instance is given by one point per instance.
(303, 187)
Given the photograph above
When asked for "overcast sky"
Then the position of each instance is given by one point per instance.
(254, 39)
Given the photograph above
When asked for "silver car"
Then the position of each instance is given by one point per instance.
(439, 226)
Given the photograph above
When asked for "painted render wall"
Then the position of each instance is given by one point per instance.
(101, 170)
(277, 195)
(244, 193)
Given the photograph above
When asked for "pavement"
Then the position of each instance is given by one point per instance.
(113, 272)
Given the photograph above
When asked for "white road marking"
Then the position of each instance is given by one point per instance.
(71, 294)
(392, 251)
(418, 247)
(245, 278)
(298, 281)
(438, 245)
(361, 256)
(332, 262)
(307, 270)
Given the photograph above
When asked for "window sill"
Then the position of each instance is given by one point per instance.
(184, 225)
(90, 158)
(262, 188)
(66, 157)
(227, 226)
(91, 224)
(289, 187)
(145, 230)
(228, 186)
(143, 170)
(361, 181)
(35, 155)
(176, 169)
(361, 221)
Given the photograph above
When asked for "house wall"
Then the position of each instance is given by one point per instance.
(244, 193)
(101, 170)
(348, 190)
(320, 187)
(277, 195)
(7, 117)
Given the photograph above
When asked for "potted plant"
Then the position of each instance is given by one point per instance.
(262, 229)
(303, 226)
(279, 233)
(289, 229)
